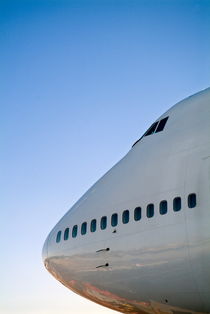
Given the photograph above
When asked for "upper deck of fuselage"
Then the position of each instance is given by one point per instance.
(187, 119)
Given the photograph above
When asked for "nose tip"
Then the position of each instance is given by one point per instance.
(45, 251)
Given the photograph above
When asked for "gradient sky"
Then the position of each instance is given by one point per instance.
(80, 81)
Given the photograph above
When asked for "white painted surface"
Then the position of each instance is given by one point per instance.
(159, 263)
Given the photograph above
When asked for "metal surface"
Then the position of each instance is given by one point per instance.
(159, 264)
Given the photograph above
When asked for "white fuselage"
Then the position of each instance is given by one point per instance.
(158, 263)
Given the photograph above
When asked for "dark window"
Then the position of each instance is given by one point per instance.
(84, 228)
(103, 222)
(177, 204)
(93, 225)
(114, 220)
(150, 210)
(137, 213)
(58, 237)
(192, 200)
(161, 125)
(66, 234)
(155, 127)
(74, 231)
(125, 216)
(151, 130)
(163, 207)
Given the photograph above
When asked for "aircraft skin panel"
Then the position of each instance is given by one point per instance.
(157, 264)
(197, 225)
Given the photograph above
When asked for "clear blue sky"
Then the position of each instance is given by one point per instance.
(80, 81)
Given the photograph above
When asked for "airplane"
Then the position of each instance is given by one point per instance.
(138, 241)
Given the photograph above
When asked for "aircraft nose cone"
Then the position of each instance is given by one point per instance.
(45, 251)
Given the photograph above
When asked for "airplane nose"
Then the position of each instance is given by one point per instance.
(45, 251)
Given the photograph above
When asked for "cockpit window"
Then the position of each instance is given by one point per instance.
(58, 237)
(151, 129)
(161, 125)
(156, 127)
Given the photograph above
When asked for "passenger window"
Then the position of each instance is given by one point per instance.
(192, 200)
(58, 237)
(150, 210)
(177, 204)
(74, 231)
(125, 216)
(84, 228)
(161, 125)
(151, 129)
(163, 207)
(103, 222)
(137, 213)
(66, 234)
(93, 225)
(114, 220)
